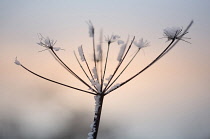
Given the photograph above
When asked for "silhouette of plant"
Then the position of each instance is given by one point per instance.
(99, 83)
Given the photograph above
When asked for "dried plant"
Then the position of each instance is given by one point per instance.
(99, 83)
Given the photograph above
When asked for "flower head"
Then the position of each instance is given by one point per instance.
(47, 43)
(91, 28)
(112, 39)
(174, 33)
(141, 43)
(17, 62)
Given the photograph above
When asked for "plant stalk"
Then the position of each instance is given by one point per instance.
(96, 122)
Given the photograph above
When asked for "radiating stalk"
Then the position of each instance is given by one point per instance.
(107, 55)
(87, 64)
(122, 70)
(118, 66)
(57, 82)
(71, 71)
(155, 60)
(94, 53)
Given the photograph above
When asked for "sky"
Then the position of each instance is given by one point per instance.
(169, 100)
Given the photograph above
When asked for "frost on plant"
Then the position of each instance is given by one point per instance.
(81, 53)
(174, 33)
(112, 39)
(93, 125)
(120, 42)
(99, 81)
(114, 87)
(17, 62)
(141, 43)
(91, 29)
(95, 75)
(122, 49)
(109, 78)
(47, 43)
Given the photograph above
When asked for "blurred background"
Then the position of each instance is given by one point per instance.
(168, 101)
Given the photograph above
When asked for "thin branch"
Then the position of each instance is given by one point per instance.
(73, 72)
(180, 38)
(168, 48)
(94, 55)
(57, 82)
(101, 57)
(61, 62)
(101, 71)
(107, 55)
(87, 63)
(122, 70)
(119, 64)
(157, 58)
(82, 68)
(58, 61)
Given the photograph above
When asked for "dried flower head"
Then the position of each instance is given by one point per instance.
(47, 43)
(112, 39)
(141, 43)
(174, 33)
(17, 62)
(91, 28)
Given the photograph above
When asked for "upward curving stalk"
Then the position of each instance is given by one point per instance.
(71, 71)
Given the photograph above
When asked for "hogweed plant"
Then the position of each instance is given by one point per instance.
(99, 84)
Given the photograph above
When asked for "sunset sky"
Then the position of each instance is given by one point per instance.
(168, 101)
